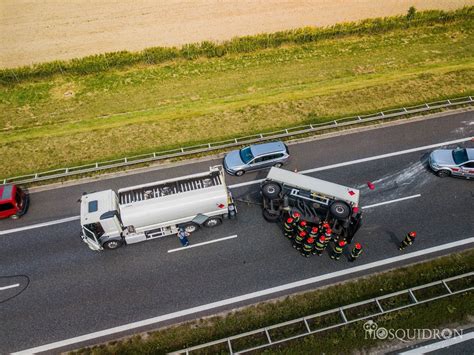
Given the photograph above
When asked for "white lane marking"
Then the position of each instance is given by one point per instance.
(439, 345)
(9, 286)
(363, 160)
(246, 297)
(391, 201)
(253, 182)
(39, 225)
(203, 243)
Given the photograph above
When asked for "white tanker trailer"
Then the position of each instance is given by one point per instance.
(154, 210)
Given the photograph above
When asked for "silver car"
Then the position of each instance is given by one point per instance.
(255, 157)
(456, 162)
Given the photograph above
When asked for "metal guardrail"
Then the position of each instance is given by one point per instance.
(208, 147)
(228, 344)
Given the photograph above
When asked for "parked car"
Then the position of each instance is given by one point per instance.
(13, 201)
(455, 162)
(255, 157)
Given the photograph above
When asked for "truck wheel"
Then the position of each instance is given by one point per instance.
(271, 190)
(443, 173)
(212, 222)
(113, 244)
(239, 172)
(270, 217)
(340, 209)
(191, 227)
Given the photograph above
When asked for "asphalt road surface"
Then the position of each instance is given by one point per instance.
(54, 289)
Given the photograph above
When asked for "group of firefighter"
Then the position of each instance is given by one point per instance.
(310, 239)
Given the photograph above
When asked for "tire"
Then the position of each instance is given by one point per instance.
(270, 217)
(113, 244)
(340, 210)
(239, 172)
(271, 190)
(191, 227)
(212, 222)
(443, 173)
(278, 165)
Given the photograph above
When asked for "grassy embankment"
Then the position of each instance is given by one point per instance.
(68, 113)
(451, 311)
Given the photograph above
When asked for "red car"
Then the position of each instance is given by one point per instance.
(13, 201)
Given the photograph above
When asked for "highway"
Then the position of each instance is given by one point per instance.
(56, 294)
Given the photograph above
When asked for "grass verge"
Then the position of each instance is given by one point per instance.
(453, 310)
(73, 118)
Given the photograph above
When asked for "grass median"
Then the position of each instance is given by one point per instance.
(70, 119)
(453, 310)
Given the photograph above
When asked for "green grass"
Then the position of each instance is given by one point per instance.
(455, 309)
(71, 119)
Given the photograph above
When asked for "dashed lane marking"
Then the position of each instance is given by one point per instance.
(391, 201)
(246, 297)
(8, 287)
(200, 244)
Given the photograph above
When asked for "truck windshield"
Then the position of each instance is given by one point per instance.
(5, 206)
(459, 156)
(246, 155)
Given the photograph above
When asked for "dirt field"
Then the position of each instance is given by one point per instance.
(36, 31)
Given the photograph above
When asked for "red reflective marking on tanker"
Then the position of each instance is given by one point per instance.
(370, 185)
(352, 193)
(221, 205)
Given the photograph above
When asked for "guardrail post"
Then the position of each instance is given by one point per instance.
(268, 336)
(235, 139)
(343, 315)
(412, 296)
(286, 130)
(360, 119)
(379, 305)
(125, 160)
(97, 165)
(182, 150)
(447, 287)
(311, 126)
(36, 176)
(230, 347)
(382, 114)
(405, 109)
(449, 102)
(66, 171)
(209, 145)
(261, 136)
(154, 155)
(307, 325)
(427, 106)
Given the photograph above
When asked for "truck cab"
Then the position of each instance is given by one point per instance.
(13, 201)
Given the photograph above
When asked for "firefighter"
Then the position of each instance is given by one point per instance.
(337, 251)
(289, 228)
(302, 226)
(298, 240)
(320, 245)
(314, 233)
(355, 252)
(328, 235)
(409, 239)
(308, 247)
(296, 216)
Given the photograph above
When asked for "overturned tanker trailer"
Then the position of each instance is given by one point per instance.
(316, 200)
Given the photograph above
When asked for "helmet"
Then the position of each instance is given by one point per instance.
(358, 246)
(342, 243)
(328, 232)
(314, 230)
(322, 239)
(310, 240)
(302, 233)
(303, 223)
(326, 224)
(296, 214)
(412, 234)
(289, 220)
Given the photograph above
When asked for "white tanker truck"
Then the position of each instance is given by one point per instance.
(154, 210)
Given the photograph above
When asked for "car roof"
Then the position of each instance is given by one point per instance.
(470, 153)
(7, 192)
(265, 148)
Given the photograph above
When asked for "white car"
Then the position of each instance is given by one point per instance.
(455, 162)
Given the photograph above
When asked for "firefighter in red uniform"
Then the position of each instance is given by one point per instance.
(337, 251)
(296, 216)
(314, 233)
(328, 235)
(298, 240)
(409, 239)
(308, 247)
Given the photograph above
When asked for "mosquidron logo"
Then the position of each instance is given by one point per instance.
(373, 331)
